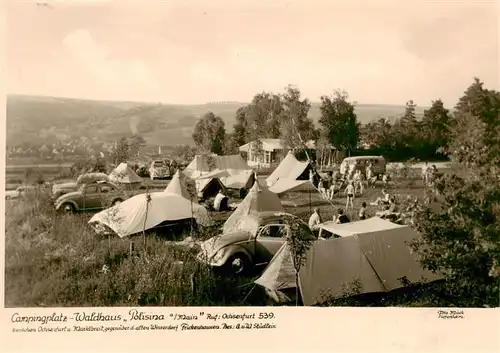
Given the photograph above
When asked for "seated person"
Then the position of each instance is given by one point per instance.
(384, 200)
(221, 202)
(341, 217)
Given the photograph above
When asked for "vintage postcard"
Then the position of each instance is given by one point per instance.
(251, 175)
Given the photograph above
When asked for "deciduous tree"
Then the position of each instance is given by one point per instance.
(462, 239)
(338, 121)
(209, 133)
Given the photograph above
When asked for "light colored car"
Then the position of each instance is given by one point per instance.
(159, 169)
(95, 196)
(240, 252)
(21, 191)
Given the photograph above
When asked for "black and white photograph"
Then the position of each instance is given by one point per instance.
(252, 154)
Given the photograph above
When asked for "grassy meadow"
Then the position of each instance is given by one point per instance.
(57, 260)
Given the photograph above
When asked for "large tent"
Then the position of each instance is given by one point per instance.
(290, 168)
(259, 199)
(371, 260)
(123, 174)
(283, 185)
(135, 214)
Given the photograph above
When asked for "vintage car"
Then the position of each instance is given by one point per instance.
(95, 196)
(21, 191)
(361, 162)
(87, 178)
(159, 170)
(242, 251)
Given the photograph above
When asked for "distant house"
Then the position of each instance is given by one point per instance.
(267, 152)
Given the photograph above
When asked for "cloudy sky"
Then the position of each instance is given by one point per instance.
(190, 52)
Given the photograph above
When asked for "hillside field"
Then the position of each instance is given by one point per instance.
(33, 119)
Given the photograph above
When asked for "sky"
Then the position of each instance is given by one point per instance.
(188, 52)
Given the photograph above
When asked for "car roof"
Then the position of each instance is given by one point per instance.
(363, 157)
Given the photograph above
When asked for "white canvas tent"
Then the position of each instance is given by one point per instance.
(259, 199)
(130, 217)
(376, 260)
(183, 186)
(283, 185)
(123, 174)
(231, 170)
(290, 168)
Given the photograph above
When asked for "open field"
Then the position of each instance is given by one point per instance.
(57, 260)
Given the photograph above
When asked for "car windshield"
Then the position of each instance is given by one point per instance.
(159, 164)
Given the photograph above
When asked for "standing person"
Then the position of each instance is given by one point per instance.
(314, 220)
(369, 175)
(349, 191)
(362, 211)
(321, 187)
(425, 169)
(358, 182)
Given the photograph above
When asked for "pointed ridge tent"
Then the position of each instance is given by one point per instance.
(259, 199)
(377, 260)
(123, 174)
(182, 186)
(279, 277)
(289, 168)
(130, 217)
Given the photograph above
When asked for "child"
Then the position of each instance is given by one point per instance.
(349, 191)
(362, 211)
(385, 180)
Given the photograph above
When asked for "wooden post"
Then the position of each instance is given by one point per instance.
(310, 206)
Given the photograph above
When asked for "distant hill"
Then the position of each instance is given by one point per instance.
(48, 119)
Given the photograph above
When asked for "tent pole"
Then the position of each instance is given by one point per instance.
(310, 206)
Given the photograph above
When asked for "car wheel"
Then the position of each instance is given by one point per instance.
(238, 264)
(68, 208)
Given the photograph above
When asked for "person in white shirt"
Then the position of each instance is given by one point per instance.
(219, 204)
(349, 192)
(314, 220)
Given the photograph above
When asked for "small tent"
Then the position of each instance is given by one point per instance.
(375, 261)
(183, 186)
(135, 214)
(259, 199)
(123, 174)
(289, 168)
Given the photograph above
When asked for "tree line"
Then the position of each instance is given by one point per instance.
(285, 116)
